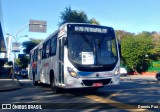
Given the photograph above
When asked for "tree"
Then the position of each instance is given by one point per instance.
(74, 16)
(135, 51)
(29, 45)
(123, 34)
(146, 34)
(94, 21)
(22, 62)
(156, 44)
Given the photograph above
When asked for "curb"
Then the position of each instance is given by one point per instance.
(10, 89)
(139, 78)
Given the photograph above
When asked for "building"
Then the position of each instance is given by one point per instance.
(3, 49)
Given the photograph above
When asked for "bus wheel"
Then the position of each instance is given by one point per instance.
(35, 83)
(54, 87)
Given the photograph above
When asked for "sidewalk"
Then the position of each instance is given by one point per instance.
(6, 83)
(139, 77)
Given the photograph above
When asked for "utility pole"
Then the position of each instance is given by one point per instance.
(34, 26)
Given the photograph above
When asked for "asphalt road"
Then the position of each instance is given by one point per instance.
(130, 95)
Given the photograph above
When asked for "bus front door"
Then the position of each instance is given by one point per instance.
(61, 61)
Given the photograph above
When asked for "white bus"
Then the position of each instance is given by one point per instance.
(77, 55)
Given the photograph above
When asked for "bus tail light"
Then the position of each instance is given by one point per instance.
(72, 72)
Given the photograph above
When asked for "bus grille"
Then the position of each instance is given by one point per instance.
(90, 82)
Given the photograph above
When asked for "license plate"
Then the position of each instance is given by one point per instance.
(97, 84)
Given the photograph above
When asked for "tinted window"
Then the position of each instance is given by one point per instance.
(46, 50)
(53, 46)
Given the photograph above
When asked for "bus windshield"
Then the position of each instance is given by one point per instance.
(92, 49)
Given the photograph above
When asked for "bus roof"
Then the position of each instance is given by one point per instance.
(65, 26)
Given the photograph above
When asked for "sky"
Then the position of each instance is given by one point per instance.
(130, 15)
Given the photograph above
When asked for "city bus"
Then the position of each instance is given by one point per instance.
(77, 55)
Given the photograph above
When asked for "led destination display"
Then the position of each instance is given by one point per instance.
(87, 28)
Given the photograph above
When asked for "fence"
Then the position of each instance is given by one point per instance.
(154, 67)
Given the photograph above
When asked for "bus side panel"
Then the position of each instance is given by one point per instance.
(43, 71)
(30, 76)
(49, 60)
(30, 71)
(48, 65)
(39, 65)
(53, 66)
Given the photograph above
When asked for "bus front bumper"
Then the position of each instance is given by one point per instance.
(92, 82)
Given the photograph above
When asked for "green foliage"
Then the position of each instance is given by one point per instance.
(22, 62)
(156, 44)
(29, 45)
(94, 21)
(74, 16)
(140, 50)
(136, 50)
(154, 66)
(123, 34)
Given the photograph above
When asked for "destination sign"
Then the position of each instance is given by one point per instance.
(90, 29)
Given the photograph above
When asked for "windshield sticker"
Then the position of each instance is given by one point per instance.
(87, 58)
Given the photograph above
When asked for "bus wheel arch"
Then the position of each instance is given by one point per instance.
(51, 75)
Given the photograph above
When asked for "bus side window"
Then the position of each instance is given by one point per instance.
(36, 55)
(44, 51)
(47, 49)
(33, 57)
(30, 57)
(39, 54)
(53, 46)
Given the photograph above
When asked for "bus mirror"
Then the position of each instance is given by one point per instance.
(119, 48)
(65, 41)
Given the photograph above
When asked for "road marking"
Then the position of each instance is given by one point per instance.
(118, 105)
(128, 94)
(112, 95)
(153, 88)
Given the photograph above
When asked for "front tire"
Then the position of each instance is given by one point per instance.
(54, 88)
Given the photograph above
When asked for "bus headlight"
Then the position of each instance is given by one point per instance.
(72, 72)
(117, 71)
